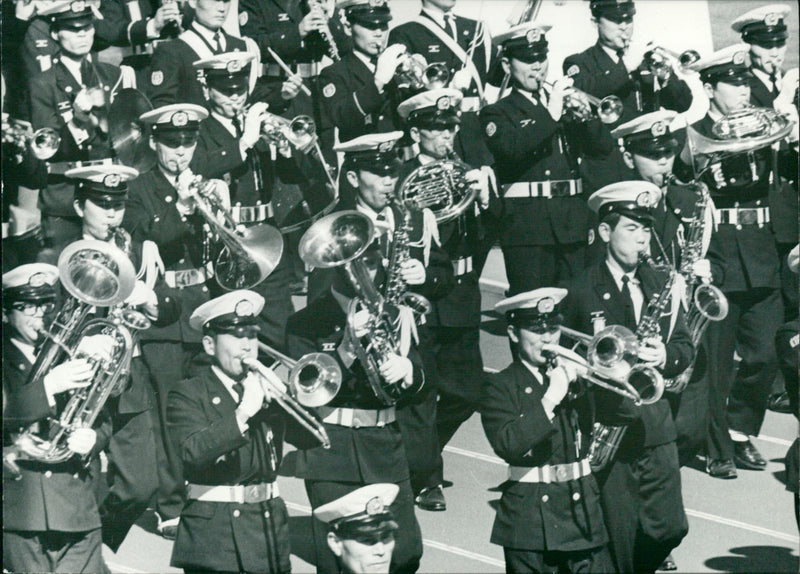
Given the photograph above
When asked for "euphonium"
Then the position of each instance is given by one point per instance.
(249, 254)
(340, 239)
(96, 274)
(441, 186)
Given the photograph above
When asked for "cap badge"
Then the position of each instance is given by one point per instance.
(37, 280)
(533, 36)
(244, 308)
(644, 199)
(179, 119)
(374, 506)
(112, 180)
(772, 19)
(443, 103)
(386, 146)
(545, 306)
(738, 58)
(377, 3)
(78, 6)
(658, 129)
(234, 66)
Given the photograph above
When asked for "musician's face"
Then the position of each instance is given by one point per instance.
(210, 13)
(371, 555)
(229, 350)
(75, 42)
(528, 76)
(768, 59)
(727, 98)
(369, 41)
(26, 327)
(625, 241)
(437, 143)
(652, 169)
(375, 190)
(529, 343)
(174, 160)
(443, 5)
(614, 35)
(227, 105)
(99, 220)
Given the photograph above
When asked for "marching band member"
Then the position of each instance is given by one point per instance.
(745, 266)
(231, 447)
(764, 28)
(161, 209)
(545, 223)
(356, 97)
(37, 49)
(465, 47)
(71, 97)
(366, 442)
(50, 517)
(361, 528)
(549, 517)
(641, 486)
(433, 121)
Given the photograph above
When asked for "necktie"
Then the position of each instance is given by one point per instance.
(238, 388)
(86, 72)
(217, 42)
(237, 125)
(773, 78)
(450, 24)
(630, 315)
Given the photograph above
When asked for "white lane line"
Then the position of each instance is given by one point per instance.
(114, 567)
(431, 543)
(743, 525)
(476, 455)
(774, 440)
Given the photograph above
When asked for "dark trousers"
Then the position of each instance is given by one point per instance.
(68, 552)
(532, 266)
(643, 508)
(408, 538)
(418, 426)
(738, 398)
(588, 561)
(690, 409)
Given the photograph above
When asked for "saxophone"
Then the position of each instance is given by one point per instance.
(607, 438)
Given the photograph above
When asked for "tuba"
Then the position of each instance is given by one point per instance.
(440, 186)
(95, 274)
(248, 254)
(340, 239)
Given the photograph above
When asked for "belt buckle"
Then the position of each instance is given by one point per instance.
(253, 493)
(561, 473)
(747, 216)
(559, 188)
(182, 279)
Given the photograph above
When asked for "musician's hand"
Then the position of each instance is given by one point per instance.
(396, 368)
(25, 10)
(702, 270)
(479, 181)
(314, 20)
(167, 12)
(10, 456)
(97, 346)
(82, 109)
(653, 352)
(560, 378)
(275, 387)
(462, 80)
(253, 123)
(388, 62)
(413, 271)
(561, 87)
(359, 323)
(72, 374)
(291, 87)
(81, 441)
(144, 298)
(252, 398)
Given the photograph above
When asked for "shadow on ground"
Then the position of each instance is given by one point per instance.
(756, 559)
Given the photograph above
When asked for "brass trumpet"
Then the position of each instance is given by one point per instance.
(415, 74)
(273, 386)
(657, 62)
(300, 132)
(314, 378)
(608, 109)
(43, 142)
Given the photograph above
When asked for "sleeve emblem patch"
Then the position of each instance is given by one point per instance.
(573, 70)
(157, 78)
(491, 129)
(329, 90)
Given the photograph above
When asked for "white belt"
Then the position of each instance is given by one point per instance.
(462, 265)
(471, 104)
(187, 277)
(356, 418)
(555, 188)
(242, 494)
(304, 70)
(550, 473)
(739, 216)
(252, 213)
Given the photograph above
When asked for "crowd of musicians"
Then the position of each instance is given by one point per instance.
(174, 173)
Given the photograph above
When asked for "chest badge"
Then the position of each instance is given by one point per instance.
(283, 17)
(528, 390)
(328, 347)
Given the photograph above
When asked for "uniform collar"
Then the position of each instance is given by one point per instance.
(227, 123)
(533, 370)
(366, 60)
(764, 78)
(437, 16)
(617, 273)
(387, 213)
(227, 381)
(611, 52)
(29, 351)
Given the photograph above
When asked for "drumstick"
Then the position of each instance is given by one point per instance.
(287, 69)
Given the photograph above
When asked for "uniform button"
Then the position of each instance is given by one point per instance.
(48, 474)
(758, 202)
(182, 261)
(738, 226)
(204, 289)
(75, 475)
(545, 498)
(224, 152)
(380, 117)
(576, 497)
(733, 180)
(547, 172)
(266, 514)
(736, 204)
(236, 513)
(283, 36)
(356, 425)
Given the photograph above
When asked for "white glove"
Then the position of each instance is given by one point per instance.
(702, 269)
(274, 387)
(167, 12)
(653, 352)
(388, 62)
(561, 87)
(413, 271)
(81, 441)
(479, 180)
(72, 374)
(560, 378)
(252, 398)
(141, 295)
(360, 323)
(252, 124)
(396, 368)
(98, 346)
(462, 80)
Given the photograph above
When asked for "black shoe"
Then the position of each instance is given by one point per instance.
(745, 455)
(431, 499)
(721, 468)
(779, 403)
(668, 565)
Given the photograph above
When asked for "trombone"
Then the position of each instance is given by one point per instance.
(314, 378)
(273, 387)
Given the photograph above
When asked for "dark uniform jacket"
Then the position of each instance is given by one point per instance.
(38, 47)
(527, 146)
(594, 297)
(671, 215)
(173, 79)
(361, 455)
(53, 497)
(52, 94)
(151, 214)
(746, 258)
(516, 424)
(123, 25)
(202, 423)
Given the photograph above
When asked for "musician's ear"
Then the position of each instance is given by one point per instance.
(54, 34)
(414, 133)
(209, 345)
(628, 159)
(708, 89)
(506, 65)
(604, 231)
(76, 205)
(352, 178)
(335, 544)
(152, 143)
(513, 334)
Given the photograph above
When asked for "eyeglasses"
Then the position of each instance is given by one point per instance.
(33, 309)
(543, 328)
